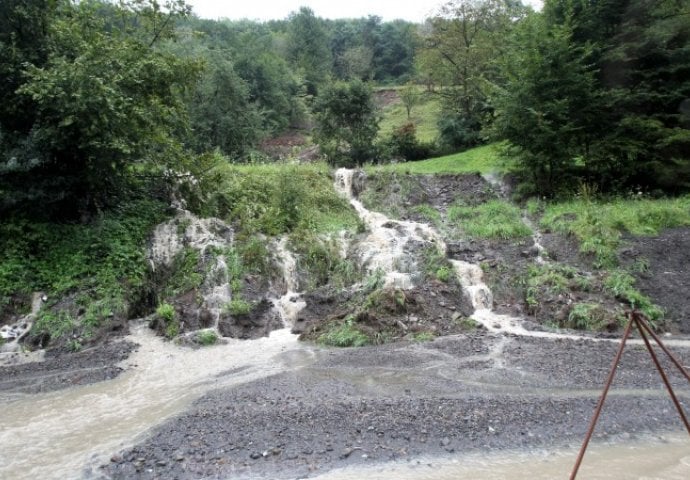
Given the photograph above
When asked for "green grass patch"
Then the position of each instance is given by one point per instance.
(428, 213)
(105, 260)
(622, 285)
(424, 116)
(279, 198)
(238, 306)
(496, 219)
(55, 324)
(484, 159)
(345, 334)
(207, 337)
(598, 225)
(591, 316)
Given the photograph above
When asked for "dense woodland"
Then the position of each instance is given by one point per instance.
(99, 96)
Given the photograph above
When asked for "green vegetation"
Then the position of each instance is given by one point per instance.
(166, 312)
(345, 334)
(437, 266)
(621, 285)
(207, 337)
(552, 279)
(590, 316)
(494, 219)
(424, 116)
(54, 324)
(598, 225)
(238, 306)
(484, 159)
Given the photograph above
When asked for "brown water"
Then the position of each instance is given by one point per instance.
(652, 458)
(54, 435)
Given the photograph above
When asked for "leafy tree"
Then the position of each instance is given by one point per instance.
(308, 48)
(461, 43)
(410, 97)
(103, 101)
(346, 123)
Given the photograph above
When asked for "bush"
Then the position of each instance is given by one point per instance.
(207, 337)
(403, 143)
(238, 306)
(345, 334)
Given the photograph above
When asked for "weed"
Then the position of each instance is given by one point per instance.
(428, 212)
(74, 345)
(345, 334)
(423, 337)
(374, 280)
(444, 274)
(494, 219)
(590, 316)
(621, 285)
(166, 312)
(172, 329)
(598, 224)
(54, 324)
(237, 306)
(207, 337)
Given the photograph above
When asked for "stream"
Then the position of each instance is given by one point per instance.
(69, 433)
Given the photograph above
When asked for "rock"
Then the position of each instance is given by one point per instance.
(255, 455)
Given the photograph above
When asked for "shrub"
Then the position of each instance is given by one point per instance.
(238, 306)
(345, 334)
(207, 337)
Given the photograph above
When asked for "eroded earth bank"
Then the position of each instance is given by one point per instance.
(471, 344)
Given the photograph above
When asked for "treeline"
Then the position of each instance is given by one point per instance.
(594, 92)
(100, 100)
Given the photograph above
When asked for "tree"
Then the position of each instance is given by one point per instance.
(460, 46)
(410, 97)
(308, 49)
(346, 123)
(548, 108)
(105, 105)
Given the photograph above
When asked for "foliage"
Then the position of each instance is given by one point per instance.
(185, 273)
(484, 159)
(98, 101)
(598, 225)
(346, 123)
(494, 219)
(238, 306)
(55, 324)
(458, 52)
(345, 334)
(105, 260)
(207, 337)
(166, 312)
(621, 284)
(436, 265)
(280, 198)
(403, 144)
(591, 316)
(424, 117)
(307, 48)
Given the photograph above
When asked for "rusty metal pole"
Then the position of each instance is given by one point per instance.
(602, 399)
(676, 362)
(679, 407)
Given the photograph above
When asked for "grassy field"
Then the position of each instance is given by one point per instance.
(424, 116)
(484, 159)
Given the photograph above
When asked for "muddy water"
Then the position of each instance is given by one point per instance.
(56, 434)
(650, 459)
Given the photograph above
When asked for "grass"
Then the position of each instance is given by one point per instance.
(345, 334)
(599, 225)
(54, 324)
(424, 115)
(495, 219)
(207, 338)
(238, 306)
(279, 198)
(622, 285)
(484, 159)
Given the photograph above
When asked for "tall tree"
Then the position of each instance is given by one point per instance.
(308, 48)
(346, 123)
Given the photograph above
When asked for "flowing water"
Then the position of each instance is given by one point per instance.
(648, 459)
(55, 435)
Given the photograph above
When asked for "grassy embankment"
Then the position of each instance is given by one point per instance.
(423, 115)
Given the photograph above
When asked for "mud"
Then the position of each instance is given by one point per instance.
(400, 402)
(64, 369)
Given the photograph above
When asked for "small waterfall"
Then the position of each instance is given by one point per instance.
(384, 248)
(207, 235)
(291, 303)
(11, 351)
